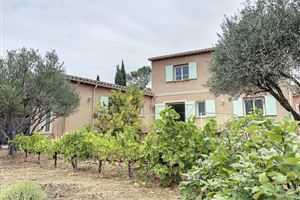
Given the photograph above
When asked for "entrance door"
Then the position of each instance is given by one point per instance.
(179, 108)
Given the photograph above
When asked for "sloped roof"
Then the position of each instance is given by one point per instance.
(186, 53)
(102, 84)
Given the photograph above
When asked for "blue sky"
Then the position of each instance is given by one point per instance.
(93, 36)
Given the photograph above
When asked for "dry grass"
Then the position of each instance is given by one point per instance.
(86, 183)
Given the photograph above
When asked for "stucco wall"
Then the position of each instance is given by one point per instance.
(194, 90)
(88, 104)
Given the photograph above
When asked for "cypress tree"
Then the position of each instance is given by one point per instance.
(123, 74)
(118, 80)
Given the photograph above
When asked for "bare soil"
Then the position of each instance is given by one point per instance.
(86, 183)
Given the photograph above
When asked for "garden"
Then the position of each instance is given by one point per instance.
(248, 158)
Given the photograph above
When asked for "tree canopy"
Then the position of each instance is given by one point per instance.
(30, 87)
(123, 110)
(259, 52)
(120, 77)
(140, 77)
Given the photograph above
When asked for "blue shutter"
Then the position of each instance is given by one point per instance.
(271, 107)
(210, 108)
(158, 108)
(169, 73)
(192, 70)
(238, 107)
(190, 109)
(104, 100)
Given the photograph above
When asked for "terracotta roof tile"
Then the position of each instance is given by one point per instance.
(186, 53)
(102, 84)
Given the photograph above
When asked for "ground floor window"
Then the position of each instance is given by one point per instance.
(47, 126)
(251, 103)
(201, 108)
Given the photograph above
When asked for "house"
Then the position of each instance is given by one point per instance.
(178, 80)
(92, 93)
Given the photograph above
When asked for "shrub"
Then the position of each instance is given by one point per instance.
(256, 159)
(25, 190)
(172, 148)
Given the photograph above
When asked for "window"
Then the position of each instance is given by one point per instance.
(253, 103)
(47, 122)
(181, 72)
(201, 108)
(142, 111)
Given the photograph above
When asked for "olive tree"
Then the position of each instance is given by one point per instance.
(31, 86)
(259, 52)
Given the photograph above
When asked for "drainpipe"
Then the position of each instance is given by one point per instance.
(93, 102)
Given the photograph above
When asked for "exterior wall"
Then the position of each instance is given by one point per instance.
(89, 102)
(296, 100)
(194, 90)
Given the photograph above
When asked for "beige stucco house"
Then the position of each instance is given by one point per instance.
(178, 80)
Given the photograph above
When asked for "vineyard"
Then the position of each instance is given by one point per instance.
(248, 158)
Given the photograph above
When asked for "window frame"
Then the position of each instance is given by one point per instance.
(181, 66)
(253, 104)
(197, 107)
(50, 124)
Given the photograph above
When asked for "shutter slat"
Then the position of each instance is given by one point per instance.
(238, 107)
(158, 108)
(104, 100)
(169, 73)
(190, 109)
(210, 108)
(271, 105)
(192, 70)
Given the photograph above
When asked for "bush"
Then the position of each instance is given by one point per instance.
(256, 158)
(173, 147)
(25, 190)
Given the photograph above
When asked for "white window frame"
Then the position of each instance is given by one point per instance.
(181, 66)
(197, 108)
(253, 104)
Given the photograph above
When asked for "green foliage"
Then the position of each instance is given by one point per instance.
(32, 86)
(25, 190)
(172, 148)
(77, 144)
(23, 143)
(255, 158)
(123, 110)
(259, 51)
(120, 77)
(141, 77)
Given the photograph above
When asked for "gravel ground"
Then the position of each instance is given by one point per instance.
(86, 183)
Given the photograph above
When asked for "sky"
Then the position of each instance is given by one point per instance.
(92, 36)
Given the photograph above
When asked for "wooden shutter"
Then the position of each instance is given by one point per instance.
(190, 109)
(192, 70)
(238, 107)
(210, 108)
(158, 108)
(104, 100)
(169, 73)
(271, 107)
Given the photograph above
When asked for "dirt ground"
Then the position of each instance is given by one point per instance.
(86, 183)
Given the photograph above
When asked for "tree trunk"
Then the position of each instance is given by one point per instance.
(55, 159)
(39, 158)
(26, 155)
(99, 166)
(10, 133)
(74, 163)
(129, 169)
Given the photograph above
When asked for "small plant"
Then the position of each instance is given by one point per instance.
(23, 190)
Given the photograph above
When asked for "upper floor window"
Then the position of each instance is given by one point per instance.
(252, 103)
(181, 72)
